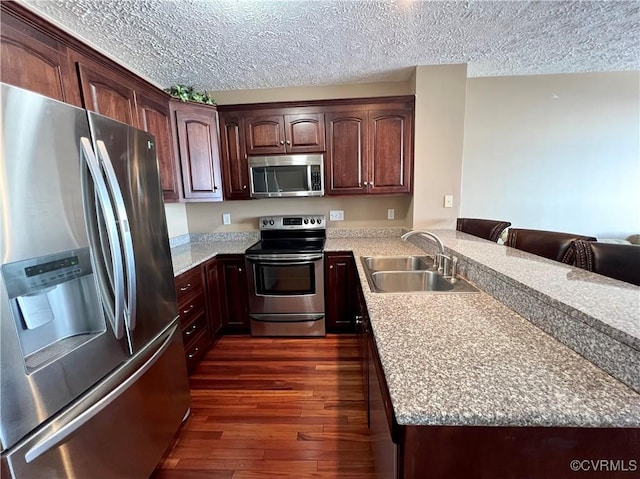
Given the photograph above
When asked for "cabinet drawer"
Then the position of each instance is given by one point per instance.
(191, 331)
(198, 349)
(188, 283)
(190, 307)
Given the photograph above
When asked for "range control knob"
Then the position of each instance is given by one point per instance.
(319, 220)
(313, 221)
(271, 222)
(264, 222)
(306, 221)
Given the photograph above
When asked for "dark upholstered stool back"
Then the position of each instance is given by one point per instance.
(619, 261)
(487, 229)
(550, 244)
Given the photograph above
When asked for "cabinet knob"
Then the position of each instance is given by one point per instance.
(282, 142)
(240, 270)
(366, 183)
(288, 142)
(331, 267)
(244, 187)
(371, 183)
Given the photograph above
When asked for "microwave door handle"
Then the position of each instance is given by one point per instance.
(125, 233)
(102, 194)
(309, 184)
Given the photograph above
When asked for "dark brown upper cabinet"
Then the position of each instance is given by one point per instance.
(369, 151)
(235, 168)
(35, 61)
(155, 117)
(286, 133)
(197, 147)
(390, 151)
(105, 93)
(345, 162)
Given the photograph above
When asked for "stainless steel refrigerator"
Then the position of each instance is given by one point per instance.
(93, 375)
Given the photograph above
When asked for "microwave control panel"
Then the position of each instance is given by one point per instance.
(316, 178)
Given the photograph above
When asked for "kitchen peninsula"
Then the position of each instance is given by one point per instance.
(466, 372)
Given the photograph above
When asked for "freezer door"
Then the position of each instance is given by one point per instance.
(56, 341)
(120, 429)
(129, 163)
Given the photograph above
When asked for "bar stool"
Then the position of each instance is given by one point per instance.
(618, 261)
(487, 229)
(549, 244)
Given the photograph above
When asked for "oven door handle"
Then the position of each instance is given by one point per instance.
(289, 259)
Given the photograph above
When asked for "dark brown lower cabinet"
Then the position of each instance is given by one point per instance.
(233, 293)
(485, 452)
(213, 298)
(192, 310)
(341, 292)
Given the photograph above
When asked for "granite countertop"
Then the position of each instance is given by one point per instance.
(194, 252)
(469, 360)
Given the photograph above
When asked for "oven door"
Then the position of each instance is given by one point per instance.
(286, 283)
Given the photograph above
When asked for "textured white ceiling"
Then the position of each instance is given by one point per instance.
(243, 44)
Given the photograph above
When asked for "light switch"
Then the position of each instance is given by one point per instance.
(448, 201)
(391, 214)
(226, 218)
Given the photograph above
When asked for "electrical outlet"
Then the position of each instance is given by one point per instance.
(336, 215)
(448, 201)
(391, 214)
(226, 218)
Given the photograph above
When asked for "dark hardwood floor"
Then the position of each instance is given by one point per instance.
(275, 408)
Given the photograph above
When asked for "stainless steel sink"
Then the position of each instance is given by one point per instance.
(410, 274)
(394, 281)
(397, 263)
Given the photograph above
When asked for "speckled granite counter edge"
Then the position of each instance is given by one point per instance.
(608, 348)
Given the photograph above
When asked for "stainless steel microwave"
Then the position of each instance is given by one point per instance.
(286, 176)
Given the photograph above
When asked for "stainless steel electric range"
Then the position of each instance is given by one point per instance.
(286, 277)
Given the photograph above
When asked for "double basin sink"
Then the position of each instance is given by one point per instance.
(410, 274)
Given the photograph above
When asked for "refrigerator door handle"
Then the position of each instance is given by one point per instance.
(125, 233)
(112, 235)
(78, 420)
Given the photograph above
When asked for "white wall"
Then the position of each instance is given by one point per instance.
(555, 152)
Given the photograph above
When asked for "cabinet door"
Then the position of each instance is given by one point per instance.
(234, 157)
(105, 93)
(31, 60)
(155, 118)
(345, 165)
(199, 152)
(264, 134)
(234, 294)
(390, 151)
(340, 278)
(213, 298)
(304, 133)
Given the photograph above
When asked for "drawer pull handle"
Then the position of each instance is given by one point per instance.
(186, 287)
(185, 311)
(191, 330)
(193, 354)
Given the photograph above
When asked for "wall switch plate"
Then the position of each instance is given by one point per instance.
(226, 218)
(448, 201)
(336, 215)
(391, 214)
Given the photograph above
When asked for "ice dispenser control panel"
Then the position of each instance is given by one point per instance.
(29, 276)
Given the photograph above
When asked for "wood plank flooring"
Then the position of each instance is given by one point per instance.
(275, 408)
